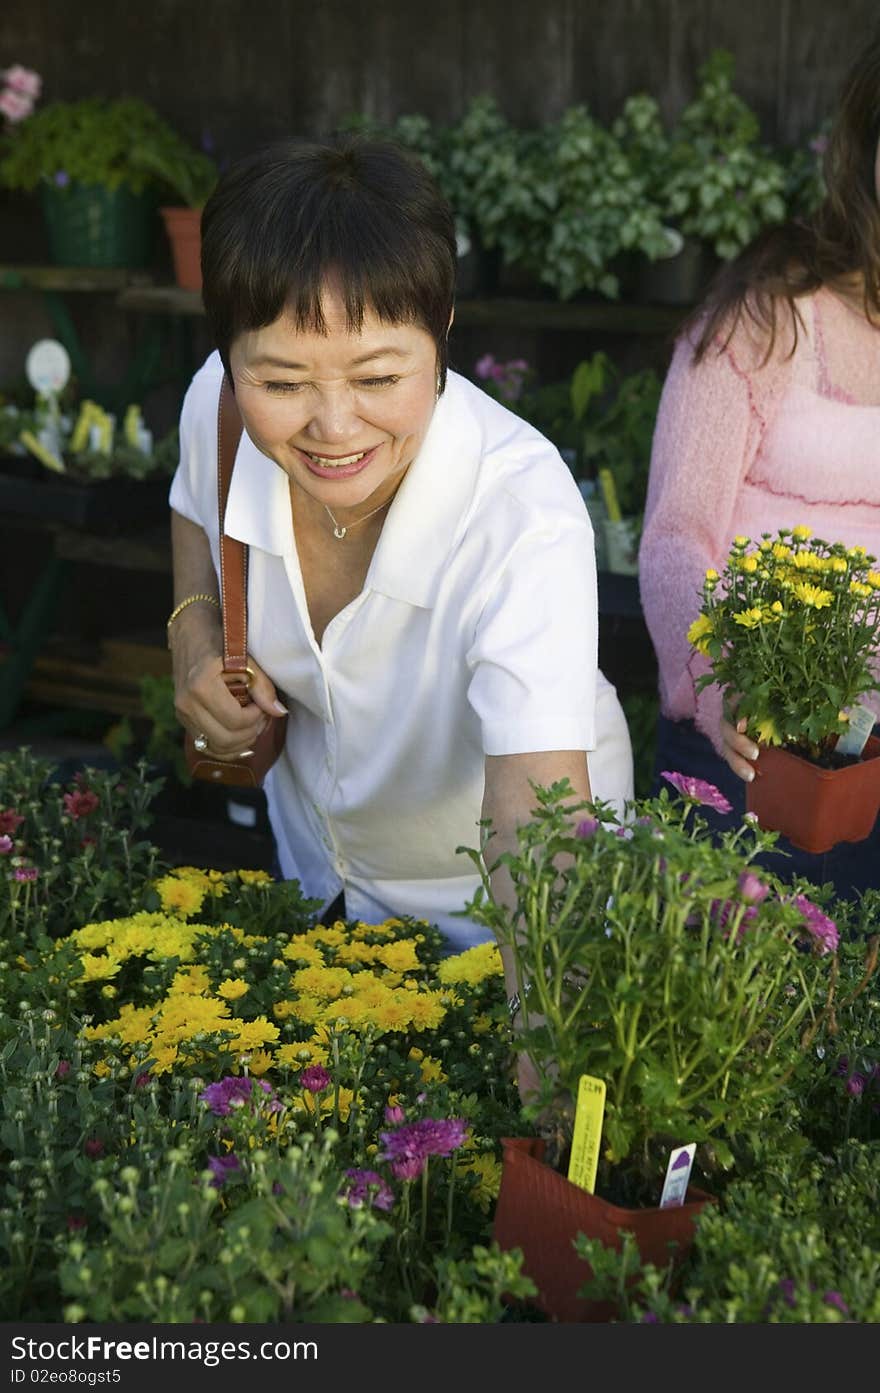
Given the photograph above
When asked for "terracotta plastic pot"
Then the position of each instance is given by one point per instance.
(184, 228)
(816, 808)
(541, 1212)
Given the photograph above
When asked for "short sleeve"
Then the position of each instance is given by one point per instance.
(193, 491)
(534, 658)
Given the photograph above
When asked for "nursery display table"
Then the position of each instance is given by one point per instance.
(22, 642)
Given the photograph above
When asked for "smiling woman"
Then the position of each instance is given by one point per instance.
(421, 581)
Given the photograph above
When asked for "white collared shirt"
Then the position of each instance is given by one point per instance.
(475, 634)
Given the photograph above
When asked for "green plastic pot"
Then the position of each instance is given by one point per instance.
(91, 225)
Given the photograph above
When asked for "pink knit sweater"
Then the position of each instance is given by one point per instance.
(742, 448)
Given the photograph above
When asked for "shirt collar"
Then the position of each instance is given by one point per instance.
(421, 523)
(409, 561)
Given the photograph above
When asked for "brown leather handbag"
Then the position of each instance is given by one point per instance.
(250, 772)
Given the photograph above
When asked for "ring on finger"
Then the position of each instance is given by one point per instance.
(200, 743)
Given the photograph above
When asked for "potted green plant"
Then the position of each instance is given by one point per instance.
(615, 415)
(191, 176)
(790, 628)
(660, 966)
(711, 182)
(98, 199)
(722, 186)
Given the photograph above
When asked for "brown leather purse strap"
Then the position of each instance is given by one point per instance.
(233, 553)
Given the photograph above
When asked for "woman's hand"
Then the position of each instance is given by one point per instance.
(203, 701)
(740, 750)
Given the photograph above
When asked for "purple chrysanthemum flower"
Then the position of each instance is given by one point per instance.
(588, 828)
(25, 874)
(650, 1318)
(751, 888)
(409, 1168)
(698, 790)
(834, 1298)
(367, 1187)
(315, 1079)
(855, 1085)
(62, 178)
(429, 1136)
(787, 1290)
(6, 845)
(233, 1092)
(822, 929)
(222, 1167)
(394, 1115)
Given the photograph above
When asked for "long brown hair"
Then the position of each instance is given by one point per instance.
(841, 237)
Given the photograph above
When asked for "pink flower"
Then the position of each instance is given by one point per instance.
(80, 804)
(25, 874)
(24, 80)
(409, 1168)
(142, 1079)
(14, 106)
(698, 791)
(751, 889)
(6, 845)
(484, 367)
(9, 821)
(855, 1085)
(394, 1115)
(94, 1148)
(315, 1078)
(62, 1069)
(822, 929)
(366, 1186)
(75, 1222)
(588, 828)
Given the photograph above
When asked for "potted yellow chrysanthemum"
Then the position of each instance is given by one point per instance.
(791, 629)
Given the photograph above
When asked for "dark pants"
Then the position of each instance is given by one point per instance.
(850, 866)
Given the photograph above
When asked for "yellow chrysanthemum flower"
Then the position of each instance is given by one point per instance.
(488, 1172)
(259, 1062)
(326, 982)
(740, 541)
(233, 988)
(699, 633)
(749, 618)
(873, 579)
(432, 1070)
(301, 1054)
(473, 966)
(254, 877)
(857, 552)
(400, 956)
(101, 1069)
(777, 607)
(766, 731)
(282, 1009)
(251, 1034)
(98, 969)
(482, 1024)
(781, 551)
(801, 533)
(812, 595)
(749, 564)
(857, 588)
(185, 897)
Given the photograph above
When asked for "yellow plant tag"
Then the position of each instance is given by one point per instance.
(609, 493)
(588, 1116)
(80, 436)
(44, 455)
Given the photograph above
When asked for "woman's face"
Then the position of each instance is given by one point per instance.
(343, 413)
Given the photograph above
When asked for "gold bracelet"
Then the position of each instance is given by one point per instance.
(190, 600)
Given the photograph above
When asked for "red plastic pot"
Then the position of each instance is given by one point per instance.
(541, 1212)
(184, 228)
(816, 808)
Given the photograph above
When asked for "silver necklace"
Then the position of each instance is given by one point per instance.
(340, 532)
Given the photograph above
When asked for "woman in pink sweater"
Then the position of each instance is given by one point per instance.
(770, 417)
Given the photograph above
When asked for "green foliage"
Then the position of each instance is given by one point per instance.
(790, 629)
(796, 1244)
(616, 415)
(79, 841)
(95, 142)
(163, 743)
(721, 184)
(655, 966)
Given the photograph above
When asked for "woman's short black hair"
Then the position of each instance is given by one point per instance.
(363, 211)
